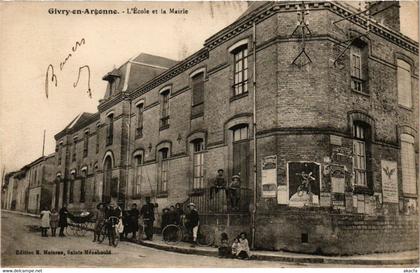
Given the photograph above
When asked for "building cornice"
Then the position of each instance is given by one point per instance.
(271, 8)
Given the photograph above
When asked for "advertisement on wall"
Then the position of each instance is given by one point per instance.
(303, 180)
(269, 176)
(389, 181)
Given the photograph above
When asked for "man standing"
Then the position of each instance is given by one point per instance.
(193, 222)
(148, 214)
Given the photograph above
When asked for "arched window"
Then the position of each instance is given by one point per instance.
(83, 185)
(361, 151)
(110, 129)
(197, 85)
(198, 163)
(139, 129)
(138, 172)
(85, 143)
(106, 191)
(71, 190)
(163, 168)
(241, 152)
(404, 83)
(240, 70)
(164, 109)
(408, 164)
(95, 181)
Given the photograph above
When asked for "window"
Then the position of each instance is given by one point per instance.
(74, 149)
(163, 167)
(139, 130)
(164, 110)
(71, 190)
(240, 133)
(197, 82)
(82, 187)
(113, 85)
(240, 83)
(110, 131)
(359, 155)
(240, 153)
(60, 151)
(138, 161)
(94, 183)
(85, 144)
(98, 126)
(404, 83)
(358, 66)
(198, 164)
(408, 164)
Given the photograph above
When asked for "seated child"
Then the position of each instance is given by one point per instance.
(235, 248)
(243, 248)
(224, 249)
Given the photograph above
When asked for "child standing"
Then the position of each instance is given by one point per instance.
(243, 249)
(224, 249)
(45, 221)
(54, 221)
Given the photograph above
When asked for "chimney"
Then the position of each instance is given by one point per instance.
(386, 13)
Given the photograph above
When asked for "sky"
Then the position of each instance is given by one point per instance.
(32, 39)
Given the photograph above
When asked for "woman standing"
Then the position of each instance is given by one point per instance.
(45, 221)
(62, 222)
(54, 221)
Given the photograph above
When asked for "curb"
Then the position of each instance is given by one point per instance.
(262, 257)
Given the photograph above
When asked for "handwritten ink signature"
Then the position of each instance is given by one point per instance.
(78, 77)
(51, 77)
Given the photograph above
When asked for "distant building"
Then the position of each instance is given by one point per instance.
(41, 180)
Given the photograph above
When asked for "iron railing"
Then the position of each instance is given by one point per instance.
(221, 201)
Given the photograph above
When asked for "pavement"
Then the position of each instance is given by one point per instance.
(394, 259)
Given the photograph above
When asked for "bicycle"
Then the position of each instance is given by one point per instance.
(173, 234)
(109, 229)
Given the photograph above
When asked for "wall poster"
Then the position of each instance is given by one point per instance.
(389, 181)
(269, 176)
(303, 180)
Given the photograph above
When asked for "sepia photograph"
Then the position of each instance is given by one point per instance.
(209, 134)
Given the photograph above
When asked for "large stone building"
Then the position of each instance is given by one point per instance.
(314, 106)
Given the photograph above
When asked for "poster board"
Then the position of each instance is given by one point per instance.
(389, 181)
(303, 182)
(269, 176)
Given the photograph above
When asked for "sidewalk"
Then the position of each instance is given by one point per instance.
(404, 258)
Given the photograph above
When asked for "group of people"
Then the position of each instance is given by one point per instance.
(238, 249)
(232, 190)
(172, 216)
(128, 219)
(53, 219)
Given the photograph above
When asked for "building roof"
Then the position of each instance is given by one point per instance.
(78, 122)
(154, 60)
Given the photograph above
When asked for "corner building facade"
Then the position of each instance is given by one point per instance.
(334, 115)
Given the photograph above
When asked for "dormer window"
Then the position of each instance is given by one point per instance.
(113, 79)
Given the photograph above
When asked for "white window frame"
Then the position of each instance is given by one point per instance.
(198, 164)
(359, 156)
